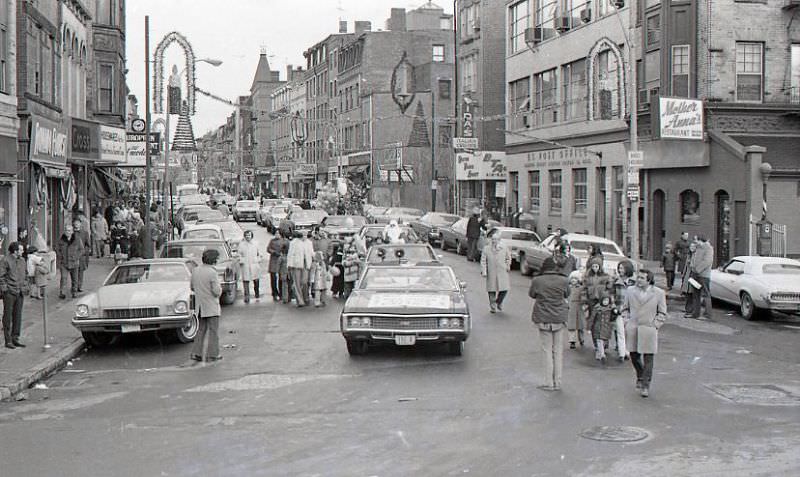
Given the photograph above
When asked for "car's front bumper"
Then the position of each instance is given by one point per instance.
(404, 327)
(126, 325)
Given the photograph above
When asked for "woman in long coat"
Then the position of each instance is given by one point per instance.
(495, 265)
(249, 264)
(646, 307)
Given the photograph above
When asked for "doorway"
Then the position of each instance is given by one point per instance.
(722, 227)
(658, 231)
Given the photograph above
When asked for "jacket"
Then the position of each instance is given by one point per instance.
(646, 311)
(495, 265)
(549, 290)
(601, 321)
(13, 275)
(69, 252)
(595, 285)
(301, 254)
(351, 263)
(207, 290)
(249, 260)
(473, 227)
(83, 234)
(99, 228)
(277, 246)
(318, 276)
(703, 259)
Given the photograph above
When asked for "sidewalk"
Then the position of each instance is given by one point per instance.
(21, 367)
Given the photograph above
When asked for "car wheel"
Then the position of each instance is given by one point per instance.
(747, 308)
(97, 340)
(455, 348)
(228, 298)
(188, 332)
(357, 347)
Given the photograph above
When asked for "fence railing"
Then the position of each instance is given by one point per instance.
(778, 234)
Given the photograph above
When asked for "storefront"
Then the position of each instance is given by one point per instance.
(304, 180)
(51, 188)
(481, 179)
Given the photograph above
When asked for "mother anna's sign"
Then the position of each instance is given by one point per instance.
(680, 118)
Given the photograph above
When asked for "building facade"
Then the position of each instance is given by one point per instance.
(9, 123)
(264, 83)
(288, 115)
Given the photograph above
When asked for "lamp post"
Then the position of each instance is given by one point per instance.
(765, 169)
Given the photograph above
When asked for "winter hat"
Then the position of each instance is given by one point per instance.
(593, 260)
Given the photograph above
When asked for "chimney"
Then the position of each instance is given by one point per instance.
(342, 26)
(397, 20)
(362, 26)
(289, 73)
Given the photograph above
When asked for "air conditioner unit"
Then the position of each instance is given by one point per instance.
(533, 35)
(586, 15)
(618, 4)
(563, 24)
(476, 24)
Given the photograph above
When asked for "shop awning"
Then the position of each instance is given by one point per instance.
(111, 176)
(56, 171)
(99, 187)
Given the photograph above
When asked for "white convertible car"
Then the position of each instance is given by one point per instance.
(758, 284)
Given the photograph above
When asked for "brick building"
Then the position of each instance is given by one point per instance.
(288, 116)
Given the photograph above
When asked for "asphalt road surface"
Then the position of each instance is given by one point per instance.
(288, 400)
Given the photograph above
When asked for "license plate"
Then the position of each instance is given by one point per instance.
(405, 340)
(131, 328)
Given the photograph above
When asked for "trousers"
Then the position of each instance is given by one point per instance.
(551, 337)
(12, 315)
(643, 364)
(208, 327)
(275, 285)
(300, 285)
(246, 285)
(70, 274)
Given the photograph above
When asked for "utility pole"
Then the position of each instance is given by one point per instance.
(634, 132)
(433, 151)
(148, 244)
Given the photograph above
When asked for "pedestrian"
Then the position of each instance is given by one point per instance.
(284, 277)
(687, 290)
(318, 277)
(321, 243)
(595, 253)
(646, 309)
(621, 281)
(566, 262)
(40, 273)
(207, 290)
(13, 286)
(351, 263)
(473, 235)
(337, 270)
(119, 241)
(299, 258)
(594, 282)
(549, 291)
(701, 271)
(33, 261)
(668, 264)
(601, 323)
(69, 254)
(82, 234)
(495, 265)
(576, 322)
(277, 247)
(23, 239)
(681, 251)
(99, 234)
(286, 225)
(250, 264)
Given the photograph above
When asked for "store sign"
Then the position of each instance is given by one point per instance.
(113, 143)
(84, 139)
(135, 149)
(305, 170)
(48, 142)
(469, 143)
(561, 157)
(680, 118)
(468, 121)
(481, 165)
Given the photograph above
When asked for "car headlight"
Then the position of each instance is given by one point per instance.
(181, 306)
(357, 321)
(455, 323)
(444, 323)
(82, 311)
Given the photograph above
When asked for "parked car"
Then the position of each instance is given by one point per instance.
(245, 210)
(407, 253)
(403, 215)
(264, 208)
(191, 217)
(518, 242)
(455, 236)
(183, 210)
(339, 226)
(373, 233)
(202, 231)
(308, 219)
(612, 253)
(758, 285)
(231, 231)
(139, 296)
(278, 213)
(406, 305)
(427, 226)
(227, 265)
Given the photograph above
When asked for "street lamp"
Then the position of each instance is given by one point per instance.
(765, 169)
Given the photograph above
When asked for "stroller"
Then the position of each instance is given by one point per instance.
(120, 242)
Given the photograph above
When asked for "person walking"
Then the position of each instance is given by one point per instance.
(299, 258)
(576, 320)
(250, 264)
(318, 278)
(69, 253)
(99, 234)
(701, 271)
(549, 291)
(207, 290)
(82, 234)
(668, 263)
(473, 235)
(495, 265)
(646, 309)
(623, 279)
(277, 247)
(351, 263)
(13, 286)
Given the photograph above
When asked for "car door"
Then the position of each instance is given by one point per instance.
(727, 283)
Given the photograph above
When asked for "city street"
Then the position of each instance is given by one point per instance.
(288, 400)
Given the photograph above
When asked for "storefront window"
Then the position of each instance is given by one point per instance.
(555, 191)
(690, 207)
(579, 191)
(535, 185)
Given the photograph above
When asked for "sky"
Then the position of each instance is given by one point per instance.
(235, 31)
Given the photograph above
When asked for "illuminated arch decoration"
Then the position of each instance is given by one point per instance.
(602, 45)
(158, 75)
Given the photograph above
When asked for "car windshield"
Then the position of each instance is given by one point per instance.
(201, 234)
(515, 235)
(604, 247)
(194, 215)
(345, 221)
(417, 278)
(377, 210)
(193, 250)
(148, 273)
(375, 232)
(780, 268)
(250, 204)
(404, 211)
(378, 254)
(439, 219)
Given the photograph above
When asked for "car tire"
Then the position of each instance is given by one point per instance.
(96, 339)
(455, 348)
(227, 298)
(357, 347)
(187, 333)
(748, 308)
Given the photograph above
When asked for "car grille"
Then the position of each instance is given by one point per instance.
(405, 323)
(785, 296)
(131, 313)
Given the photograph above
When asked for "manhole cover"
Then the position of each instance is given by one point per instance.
(758, 394)
(615, 434)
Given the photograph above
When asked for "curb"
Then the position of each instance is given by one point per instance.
(43, 369)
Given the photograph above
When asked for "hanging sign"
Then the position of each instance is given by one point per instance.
(113, 144)
(481, 165)
(680, 118)
(48, 142)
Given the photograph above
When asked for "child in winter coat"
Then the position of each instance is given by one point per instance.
(352, 267)
(576, 321)
(601, 322)
(318, 278)
(668, 262)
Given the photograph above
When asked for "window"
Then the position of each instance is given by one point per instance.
(605, 7)
(607, 86)
(545, 109)
(749, 71)
(680, 71)
(545, 17)
(519, 17)
(535, 187)
(572, 9)
(444, 89)
(469, 19)
(468, 73)
(555, 191)
(105, 83)
(438, 53)
(794, 94)
(579, 191)
(514, 199)
(653, 31)
(573, 78)
(519, 95)
(690, 207)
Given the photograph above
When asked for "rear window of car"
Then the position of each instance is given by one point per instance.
(780, 268)
(403, 211)
(523, 236)
(345, 220)
(375, 232)
(201, 233)
(146, 273)
(408, 278)
(604, 247)
(378, 254)
(193, 251)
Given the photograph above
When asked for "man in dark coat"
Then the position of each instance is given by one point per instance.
(681, 251)
(473, 235)
(82, 233)
(14, 286)
(550, 310)
(69, 252)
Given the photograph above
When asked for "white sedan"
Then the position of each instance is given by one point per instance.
(758, 284)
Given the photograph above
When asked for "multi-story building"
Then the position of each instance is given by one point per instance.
(9, 122)
(107, 87)
(481, 48)
(264, 83)
(288, 115)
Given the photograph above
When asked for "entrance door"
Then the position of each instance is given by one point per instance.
(658, 231)
(600, 208)
(742, 226)
(722, 246)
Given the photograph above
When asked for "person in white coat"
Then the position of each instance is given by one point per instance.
(298, 260)
(495, 265)
(250, 259)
